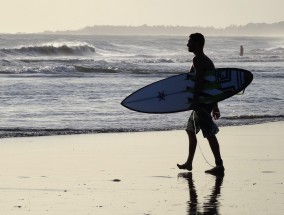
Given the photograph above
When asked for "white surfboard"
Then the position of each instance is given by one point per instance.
(174, 94)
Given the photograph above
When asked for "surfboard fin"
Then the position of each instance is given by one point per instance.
(242, 92)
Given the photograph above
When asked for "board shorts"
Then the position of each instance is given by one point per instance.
(202, 120)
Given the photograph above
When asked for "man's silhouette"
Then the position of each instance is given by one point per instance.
(200, 118)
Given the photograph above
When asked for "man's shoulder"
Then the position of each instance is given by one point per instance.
(201, 58)
(197, 61)
(203, 61)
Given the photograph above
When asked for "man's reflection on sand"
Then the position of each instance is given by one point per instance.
(211, 206)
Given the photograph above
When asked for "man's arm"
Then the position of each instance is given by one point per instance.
(199, 69)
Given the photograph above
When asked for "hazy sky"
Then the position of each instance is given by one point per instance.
(40, 15)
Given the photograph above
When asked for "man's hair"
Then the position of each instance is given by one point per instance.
(199, 38)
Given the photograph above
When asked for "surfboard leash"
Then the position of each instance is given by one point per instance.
(198, 142)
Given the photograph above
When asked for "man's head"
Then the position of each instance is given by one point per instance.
(196, 42)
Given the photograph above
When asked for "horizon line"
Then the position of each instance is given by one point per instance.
(144, 25)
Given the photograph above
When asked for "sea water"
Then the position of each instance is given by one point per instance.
(60, 84)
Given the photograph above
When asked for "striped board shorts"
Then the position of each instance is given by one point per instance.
(202, 120)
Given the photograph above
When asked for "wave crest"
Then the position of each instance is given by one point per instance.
(51, 50)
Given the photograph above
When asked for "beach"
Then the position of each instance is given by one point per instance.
(136, 173)
(67, 146)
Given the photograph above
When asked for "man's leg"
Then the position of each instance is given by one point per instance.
(214, 145)
(192, 147)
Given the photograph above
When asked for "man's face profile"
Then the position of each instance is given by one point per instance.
(190, 45)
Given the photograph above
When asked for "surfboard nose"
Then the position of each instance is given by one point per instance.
(248, 78)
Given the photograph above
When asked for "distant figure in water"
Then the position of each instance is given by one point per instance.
(200, 118)
(241, 50)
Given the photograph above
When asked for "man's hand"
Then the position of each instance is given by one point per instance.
(216, 112)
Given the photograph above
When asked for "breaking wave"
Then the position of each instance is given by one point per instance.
(77, 69)
(50, 50)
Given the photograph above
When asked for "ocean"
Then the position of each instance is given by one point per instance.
(60, 84)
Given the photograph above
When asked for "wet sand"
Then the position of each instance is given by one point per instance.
(136, 173)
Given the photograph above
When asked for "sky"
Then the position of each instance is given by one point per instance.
(33, 16)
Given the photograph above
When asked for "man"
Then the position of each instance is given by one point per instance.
(200, 118)
(241, 50)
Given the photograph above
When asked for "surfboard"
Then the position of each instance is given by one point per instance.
(175, 93)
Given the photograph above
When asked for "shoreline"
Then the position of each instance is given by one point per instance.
(136, 173)
(70, 132)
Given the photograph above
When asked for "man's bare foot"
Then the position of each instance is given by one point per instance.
(217, 170)
(185, 166)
